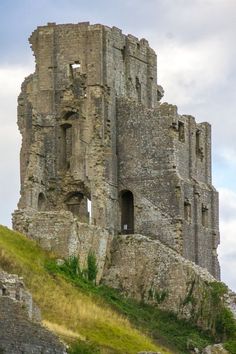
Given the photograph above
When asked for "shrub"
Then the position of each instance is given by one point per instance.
(83, 348)
(92, 269)
(230, 346)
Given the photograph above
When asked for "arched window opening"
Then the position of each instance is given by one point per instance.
(78, 204)
(41, 202)
(66, 145)
(70, 115)
(127, 212)
(73, 202)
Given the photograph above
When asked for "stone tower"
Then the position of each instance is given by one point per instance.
(102, 156)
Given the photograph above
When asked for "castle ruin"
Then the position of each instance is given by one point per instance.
(101, 156)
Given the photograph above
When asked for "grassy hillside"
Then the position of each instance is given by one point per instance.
(94, 319)
(64, 307)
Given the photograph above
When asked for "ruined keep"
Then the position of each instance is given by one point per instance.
(101, 156)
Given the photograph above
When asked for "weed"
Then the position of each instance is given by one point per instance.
(82, 347)
(230, 345)
(92, 267)
(66, 299)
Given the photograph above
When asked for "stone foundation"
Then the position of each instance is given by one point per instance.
(63, 234)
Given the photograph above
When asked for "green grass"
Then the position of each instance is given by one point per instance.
(94, 319)
(72, 313)
(164, 327)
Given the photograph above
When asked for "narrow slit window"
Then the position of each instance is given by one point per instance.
(198, 133)
(181, 131)
(66, 145)
(199, 148)
(89, 211)
(204, 216)
(138, 89)
(187, 211)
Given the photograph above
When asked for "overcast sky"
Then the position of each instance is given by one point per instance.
(196, 47)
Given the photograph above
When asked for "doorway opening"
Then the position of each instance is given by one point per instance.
(127, 212)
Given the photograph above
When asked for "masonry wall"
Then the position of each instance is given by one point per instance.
(21, 330)
(173, 196)
(93, 128)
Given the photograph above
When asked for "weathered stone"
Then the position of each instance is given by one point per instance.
(21, 331)
(13, 287)
(62, 233)
(93, 129)
(146, 270)
(215, 349)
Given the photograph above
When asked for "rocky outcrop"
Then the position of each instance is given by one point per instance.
(21, 331)
(215, 349)
(145, 269)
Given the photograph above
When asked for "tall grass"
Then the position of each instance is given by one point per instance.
(66, 309)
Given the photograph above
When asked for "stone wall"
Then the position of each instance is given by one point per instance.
(146, 270)
(21, 331)
(63, 234)
(99, 149)
(173, 196)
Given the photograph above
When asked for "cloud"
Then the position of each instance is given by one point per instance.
(228, 154)
(227, 248)
(11, 79)
(189, 70)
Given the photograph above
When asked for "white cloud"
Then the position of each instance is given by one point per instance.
(229, 155)
(11, 79)
(227, 206)
(227, 249)
(189, 70)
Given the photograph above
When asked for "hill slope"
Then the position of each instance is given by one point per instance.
(80, 312)
(65, 308)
